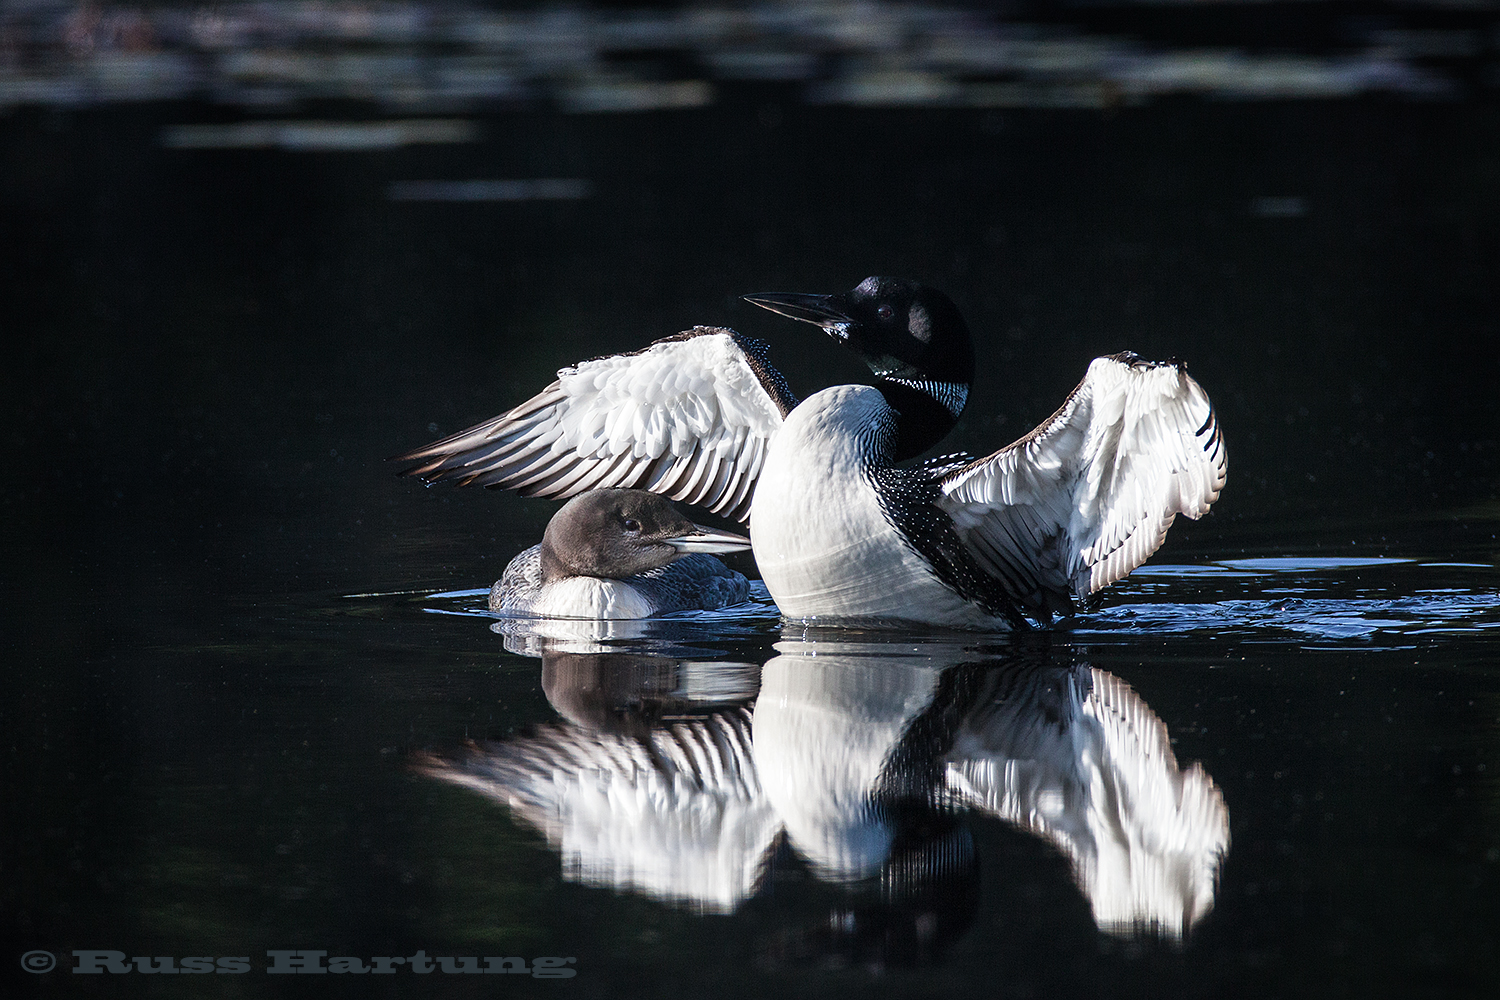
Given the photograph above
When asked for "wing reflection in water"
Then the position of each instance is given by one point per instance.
(1077, 757)
(684, 780)
(645, 787)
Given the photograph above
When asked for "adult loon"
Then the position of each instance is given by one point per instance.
(838, 530)
(621, 554)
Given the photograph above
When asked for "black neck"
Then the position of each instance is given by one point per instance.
(923, 420)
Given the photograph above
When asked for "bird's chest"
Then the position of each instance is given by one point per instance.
(591, 597)
(824, 544)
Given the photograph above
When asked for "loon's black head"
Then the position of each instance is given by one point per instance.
(913, 338)
(622, 533)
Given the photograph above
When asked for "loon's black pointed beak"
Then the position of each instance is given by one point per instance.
(821, 310)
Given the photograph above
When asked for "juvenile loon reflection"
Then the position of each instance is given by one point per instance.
(862, 760)
(682, 636)
(629, 695)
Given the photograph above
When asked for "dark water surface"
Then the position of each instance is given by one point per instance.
(245, 659)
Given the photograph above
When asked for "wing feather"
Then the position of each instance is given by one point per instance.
(1087, 496)
(751, 462)
(688, 417)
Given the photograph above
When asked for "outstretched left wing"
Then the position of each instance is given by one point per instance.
(1088, 495)
(689, 417)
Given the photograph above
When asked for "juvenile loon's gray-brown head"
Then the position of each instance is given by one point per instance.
(616, 534)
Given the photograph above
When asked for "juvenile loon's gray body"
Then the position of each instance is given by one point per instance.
(621, 554)
(840, 529)
(693, 583)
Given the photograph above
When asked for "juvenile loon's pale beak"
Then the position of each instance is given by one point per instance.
(702, 539)
(821, 310)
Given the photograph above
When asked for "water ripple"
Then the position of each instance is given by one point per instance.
(1283, 599)
(1337, 600)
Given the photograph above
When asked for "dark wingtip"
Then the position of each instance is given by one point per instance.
(405, 456)
(428, 471)
(410, 470)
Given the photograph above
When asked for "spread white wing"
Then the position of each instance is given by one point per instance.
(688, 417)
(1096, 776)
(1087, 496)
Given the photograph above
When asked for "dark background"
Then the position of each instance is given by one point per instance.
(211, 353)
(214, 348)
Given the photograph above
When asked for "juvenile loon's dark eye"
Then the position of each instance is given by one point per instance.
(884, 311)
(632, 525)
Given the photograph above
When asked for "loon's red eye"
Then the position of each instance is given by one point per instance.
(884, 311)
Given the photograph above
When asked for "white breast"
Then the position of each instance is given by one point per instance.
(822, 542)
(591, 597)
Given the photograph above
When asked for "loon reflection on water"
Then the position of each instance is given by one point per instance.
(860, 759)
(839, 531)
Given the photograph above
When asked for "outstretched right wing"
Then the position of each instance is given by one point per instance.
(1086, 497)
(689, 417)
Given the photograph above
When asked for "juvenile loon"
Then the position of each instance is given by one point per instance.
(838, 530)
(621, 554)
